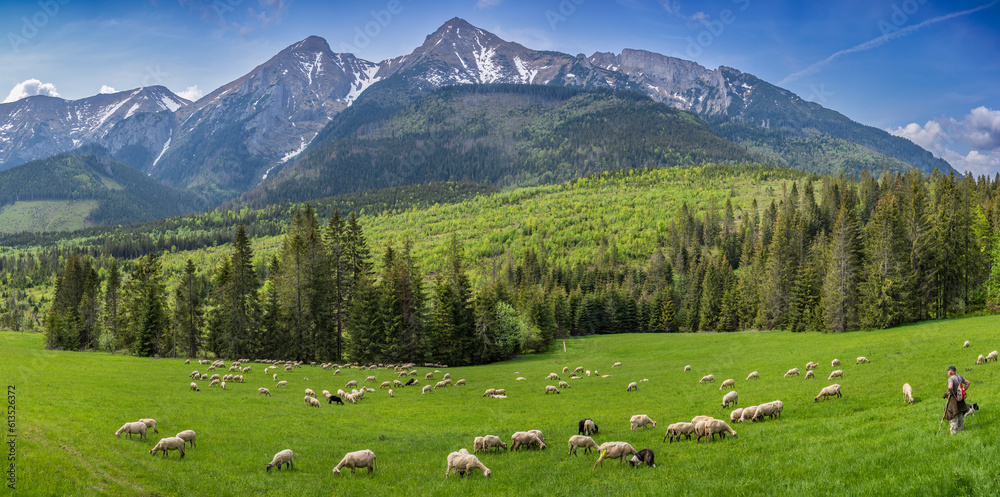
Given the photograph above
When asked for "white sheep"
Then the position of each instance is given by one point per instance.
(810, 374)
(282, 383)
(861, 359)
(428, 376)
(632, 386)
(537, 433)
(168, 444)
(641, 420)
(811, 365)
(588, 372)
(737, 415)
(501, 391)
(907, 393)
(188, 436)
(748, 413)
(150, 423)
(753, 375)
(792, 372)
(966, 345)
(730, 398)
(489, 392)
(563, 384)
(283, 457)
(526, 439)
(223, 385)
(836, 374)
(709, 428)
(465, 463)
(214, 383)
(194, 386)
(427, 389)
(834, 363)
(387, 384)
(687, 368)
(708, 377)
(263, 391)
(829, 392)
(550, 388)
(768, 409)
(616, 365)
(352, 383)
(311, 401)
(138, 428)
(274, 377)
(991, 356)
(440, 384)
(493, 441)
(460, 382)
(677, 430)
(479, 445)
(728, 383)
(552, 376)
(370, 378)
(577, 441)
(614, 450)
(565, 369)
(981, 360)
(390, 393)
(357, 459)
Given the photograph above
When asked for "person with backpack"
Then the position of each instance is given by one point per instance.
(954, 412)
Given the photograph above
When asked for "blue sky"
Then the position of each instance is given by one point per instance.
(924, 69)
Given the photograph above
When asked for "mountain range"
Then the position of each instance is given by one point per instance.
(288, 116)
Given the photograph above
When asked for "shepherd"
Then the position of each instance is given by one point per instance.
(954, 410)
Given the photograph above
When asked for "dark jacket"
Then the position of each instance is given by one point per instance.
(954, 407)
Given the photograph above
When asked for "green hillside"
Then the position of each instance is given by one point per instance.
(45, 215)
(870, 442)
(116, 193)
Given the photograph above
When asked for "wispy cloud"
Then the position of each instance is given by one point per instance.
(873, 43)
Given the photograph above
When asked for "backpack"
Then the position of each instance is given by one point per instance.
(961, 394)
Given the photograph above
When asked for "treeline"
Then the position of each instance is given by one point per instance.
(832, 254)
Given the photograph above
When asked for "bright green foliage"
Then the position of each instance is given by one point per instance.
(146, 319)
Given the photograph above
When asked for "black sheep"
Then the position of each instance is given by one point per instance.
(583, 426)
(411, 382)
(643, 456)
(336, 398)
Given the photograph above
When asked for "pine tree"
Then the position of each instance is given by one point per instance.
(880, 291)
(839, 299)
(189, 310)
(145, 306)
(241, 299)
(112, 287)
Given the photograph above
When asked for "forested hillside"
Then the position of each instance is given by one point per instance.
(720, 248)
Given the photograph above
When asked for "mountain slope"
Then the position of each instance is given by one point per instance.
(122, 194)
(502, 135)
(40, 126)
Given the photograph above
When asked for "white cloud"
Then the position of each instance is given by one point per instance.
(108, 89)
(978, 132)
(488, 4)
(192, 93)
(31, 88)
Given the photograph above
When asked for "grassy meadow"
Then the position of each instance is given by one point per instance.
(867, 443)
(45, 215)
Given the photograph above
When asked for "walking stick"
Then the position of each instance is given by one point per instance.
(942, 414)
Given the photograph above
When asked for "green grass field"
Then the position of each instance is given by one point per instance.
(68, 406)
(45, 215)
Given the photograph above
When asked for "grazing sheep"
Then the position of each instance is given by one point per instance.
(263, 391)
(168, 444)
(792, 372)
(489, 391)
(907, 393)
(981, 360)
(643, 456)
(687, 368)
(537, 433)
(215, 377)
(274, 377)
(188, 436)
(678, 430)
(641, 420)
(834, 363)
(836, 374)
(964, 346)
(577, 441)
(390, 393)
(696, 419)
(500, 391)
(768, 409)
(778, 407)
(397, 383)
(428, 376)
(737, 415)
(194, 386)
(614, 450)
(550, 388)
(195, 375)
(753, 375)
(861, 359)
(829, 392)
(311, 401)
(460, 382)
(616, 365)
(283, 457)
(748, 413)
(811, 365)
(464, 464)
(493, 441)
(730, 398)
(810, 374)
(587, 427)
(238, 378)
(352, 383)
(565, 369)
(440, 384)
(553, 376)
(478, 445)
(520, 378)
(991, 356)
(447, 376)
(427, 389)
(150, 423)
(563, 384)
(386, 384)
(370, 378)
(579, 369)
(728, 383)
(713, 426)
(708, 377)
(214, 383)
(413, 381)
(335, 398)
(187, 361)
(358, 459)
(137, 427)
(588, 372)
(526, 439)
(632, 386)
(310, 392)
